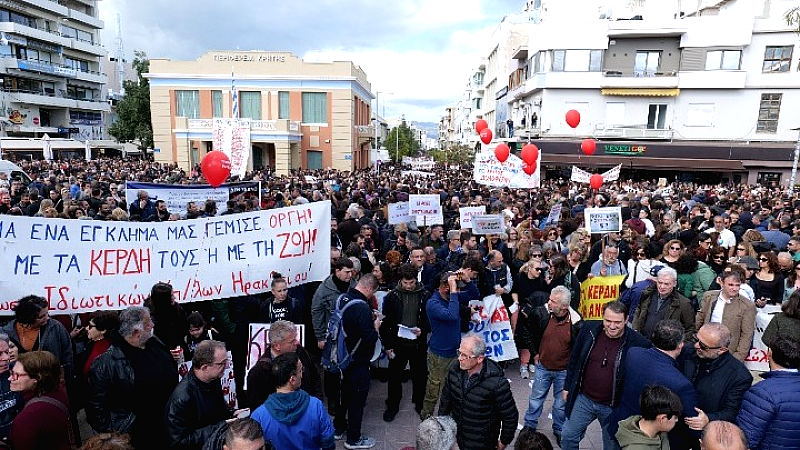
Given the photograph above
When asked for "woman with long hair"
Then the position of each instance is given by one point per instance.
(792, 282)
(578, 260)
(560, 274)
(643, 256)
(671, 252)
(786, 323)
(743, 248)
(767, 283)
(701, 247)
(718, 256)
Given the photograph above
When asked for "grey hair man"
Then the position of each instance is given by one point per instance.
(113, 403)
(551, 331)
(664, 302)
(723, 435)
(437, 433)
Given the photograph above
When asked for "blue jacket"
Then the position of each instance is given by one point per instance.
(645, 367)
(445, 325)
(295, 421)
(770, 413)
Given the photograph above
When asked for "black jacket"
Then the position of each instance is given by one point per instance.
(195, 409)
(260, 383)
(108, 407)
(582, 345)
(358, 324)
(536, 324)
(720, 385)
(269, 311)
(480, 410)
(393, 312)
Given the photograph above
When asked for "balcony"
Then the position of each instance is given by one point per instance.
(48, 5)
(87, 47)
(91, 76)
(84, 18)
(365, 130)
(58, 100)
(45, 68)
(527, 132)
(35, 33)
(617, 132)
(282, 125)
(639, 79)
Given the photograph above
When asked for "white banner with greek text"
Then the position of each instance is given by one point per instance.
(466, 213)
(83, 266)
(603, 220)
(178, 196)
(232, 137)
(491, 172)
(492, 322)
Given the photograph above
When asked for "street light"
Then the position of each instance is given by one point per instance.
(794, 163)
(378, 120)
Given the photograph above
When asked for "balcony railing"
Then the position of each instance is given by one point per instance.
(640, 73)
(255, 125)
(619, 132)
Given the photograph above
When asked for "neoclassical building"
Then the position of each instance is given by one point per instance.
(305, 115)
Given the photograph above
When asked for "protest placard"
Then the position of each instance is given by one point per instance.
(466, 213)
(489, 171)
(553, 217)
(603, 220)
(257, 342)
(84, 266)
(398, 213)
(488, 224)
(495, 328)
(177, 196)
(757, 359)
(232, 137)
(596, 292)
(425, 209)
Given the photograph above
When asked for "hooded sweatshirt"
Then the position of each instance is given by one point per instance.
(630, 437)
(295, 421)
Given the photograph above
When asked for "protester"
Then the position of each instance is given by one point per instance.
(660, 409)
(727, 307)
(723, 435)
(11, 402)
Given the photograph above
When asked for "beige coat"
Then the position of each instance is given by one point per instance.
(739, 316)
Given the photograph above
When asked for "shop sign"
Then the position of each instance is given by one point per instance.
(614, 149)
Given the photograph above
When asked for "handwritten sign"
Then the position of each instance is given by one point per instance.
(491, 172)
(232, 137)
(420, 163)
(757, 358)
(83, 266)
(177, 196)
(426, 209)
(554, 216)
(495, 328)
(466, 213)
(596, 292)
(258, 341)
(398, 213)
(488, 224)
(603, 220)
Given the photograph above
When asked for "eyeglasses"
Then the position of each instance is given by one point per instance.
(539, 269)
(719, 258)
(536, 255)
(739, 249)
(705, 346)
(640, 254)
(763, 259)
(465, 356)
(16, 375)
(675, 248)
(90, 326)
(708, 242)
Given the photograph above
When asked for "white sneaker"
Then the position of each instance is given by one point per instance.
(523, 373)
(531, 368)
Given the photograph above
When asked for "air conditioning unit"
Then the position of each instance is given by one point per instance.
(537, 102)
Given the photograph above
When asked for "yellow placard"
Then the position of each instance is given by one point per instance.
(596, 292)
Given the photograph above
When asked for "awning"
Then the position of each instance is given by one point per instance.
(10, 144)
(631, 92)
(638, 162)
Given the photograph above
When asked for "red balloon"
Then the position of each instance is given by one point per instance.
(573, 118)
(529, 168)
(502, 151)
(588, 146)
(530, 153)
(481, 125)
(486, 135)
(216, 168)
(595, 181)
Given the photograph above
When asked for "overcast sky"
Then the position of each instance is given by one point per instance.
(420, 50)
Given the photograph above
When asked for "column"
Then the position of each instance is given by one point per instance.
(283, 158)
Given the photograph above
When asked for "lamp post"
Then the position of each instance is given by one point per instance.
(794, 163)
(378, 120)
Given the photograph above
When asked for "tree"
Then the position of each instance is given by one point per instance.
(792, 17)
(133, 110)
(401, 142)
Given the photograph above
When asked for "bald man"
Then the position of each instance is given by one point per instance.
(722, 435)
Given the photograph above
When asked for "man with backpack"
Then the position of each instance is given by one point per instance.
(358, 328)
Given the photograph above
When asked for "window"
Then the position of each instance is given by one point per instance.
(559, 56)
(81, 93)
(595, 61)
(11, 16)
(314, 160)
(250, 105)
(187, 104)
(768, 113)
(657, 117)
(315, 107)
(646, 63)
(75, 33)
(77, 64)
(777, 59)
(723, 59)
(283, 104)
(216, 103)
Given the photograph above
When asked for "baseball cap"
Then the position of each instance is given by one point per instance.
(655, 269)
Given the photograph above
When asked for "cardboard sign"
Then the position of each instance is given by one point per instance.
(488, 224)
(426, 209)
(757, 359)
(257, 342)
(85, 266)
(466, 213)
(603, 220)
(398, 213)
(495, 328)
(596, 292)
(554, 216)
(491, 172)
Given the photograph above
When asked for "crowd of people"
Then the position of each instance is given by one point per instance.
(663, 368)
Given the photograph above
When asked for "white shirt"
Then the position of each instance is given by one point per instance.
(726, 238)
(719, 308)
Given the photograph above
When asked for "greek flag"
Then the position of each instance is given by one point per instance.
(234, 98)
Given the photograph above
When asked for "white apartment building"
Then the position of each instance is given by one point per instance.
(709, 95)
(53, 85)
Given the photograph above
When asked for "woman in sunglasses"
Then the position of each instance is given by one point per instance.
(767, 283)
(643, 258)
(792, 282)
(671, 252)
(718, 257)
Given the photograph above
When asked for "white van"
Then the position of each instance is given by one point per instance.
(14, 172)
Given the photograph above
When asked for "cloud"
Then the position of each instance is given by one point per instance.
(422, 50)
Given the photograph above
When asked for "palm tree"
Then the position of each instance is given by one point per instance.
(792, 17)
